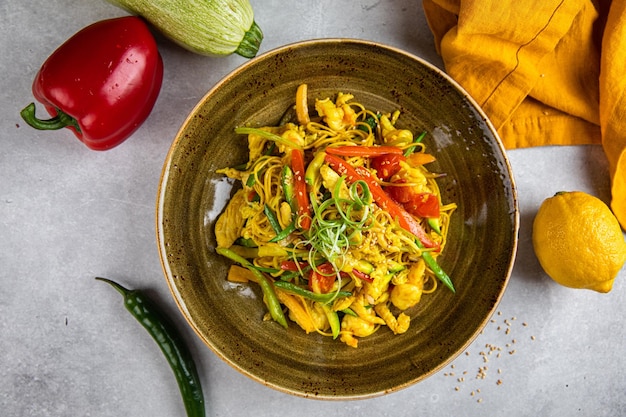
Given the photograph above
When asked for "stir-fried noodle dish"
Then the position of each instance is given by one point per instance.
(338, 219)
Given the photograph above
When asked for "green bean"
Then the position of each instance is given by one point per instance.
(267, 135)
(434, 266)
(284, 233)
(171, 343)
(333, 320)
(271, 217)
(408, 151)
(273, 304)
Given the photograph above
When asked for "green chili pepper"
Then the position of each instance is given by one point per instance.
(408, 151)
(271, 217)
(433, 222)
(171, 344)
(286, 180)
(313, 169)
(273, 304)
(320, 298)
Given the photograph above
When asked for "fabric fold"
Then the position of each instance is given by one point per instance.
(546, 72)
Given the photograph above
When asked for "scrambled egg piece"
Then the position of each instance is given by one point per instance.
(229, 225)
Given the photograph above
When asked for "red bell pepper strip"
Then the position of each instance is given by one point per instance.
(406, 220)
(102, 83)
(362, 275)
(364, 151)
(301, 193)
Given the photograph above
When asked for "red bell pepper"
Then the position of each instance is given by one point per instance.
(364, 151)
(404, 218)
(300, 189)
(102, 83)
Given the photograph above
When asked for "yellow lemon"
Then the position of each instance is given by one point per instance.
(578, 241)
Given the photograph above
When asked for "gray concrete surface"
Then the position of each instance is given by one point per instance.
(67, 214)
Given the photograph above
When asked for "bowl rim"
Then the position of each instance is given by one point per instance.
(161, 191)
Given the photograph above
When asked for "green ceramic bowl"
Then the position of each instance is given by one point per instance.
(479, 254)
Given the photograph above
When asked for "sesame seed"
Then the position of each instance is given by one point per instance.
(532, 337)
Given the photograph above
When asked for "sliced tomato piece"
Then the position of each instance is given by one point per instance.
(293, 266)
(322, 279)
(423, 205)
(387, 165)
(400, 193)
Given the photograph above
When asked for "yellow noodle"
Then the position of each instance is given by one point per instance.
(376, 242)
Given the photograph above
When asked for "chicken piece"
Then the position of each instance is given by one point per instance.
(365, 313)
(229, 225)
(284, 211)
(397, 325)
(338, 116)
(408, 294)
(352, 327)
(392, 135)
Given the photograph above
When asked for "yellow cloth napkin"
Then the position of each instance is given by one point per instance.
(546, 72)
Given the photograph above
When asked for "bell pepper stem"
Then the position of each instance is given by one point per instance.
(59, 121)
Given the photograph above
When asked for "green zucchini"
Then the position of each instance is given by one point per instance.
(206, 27)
